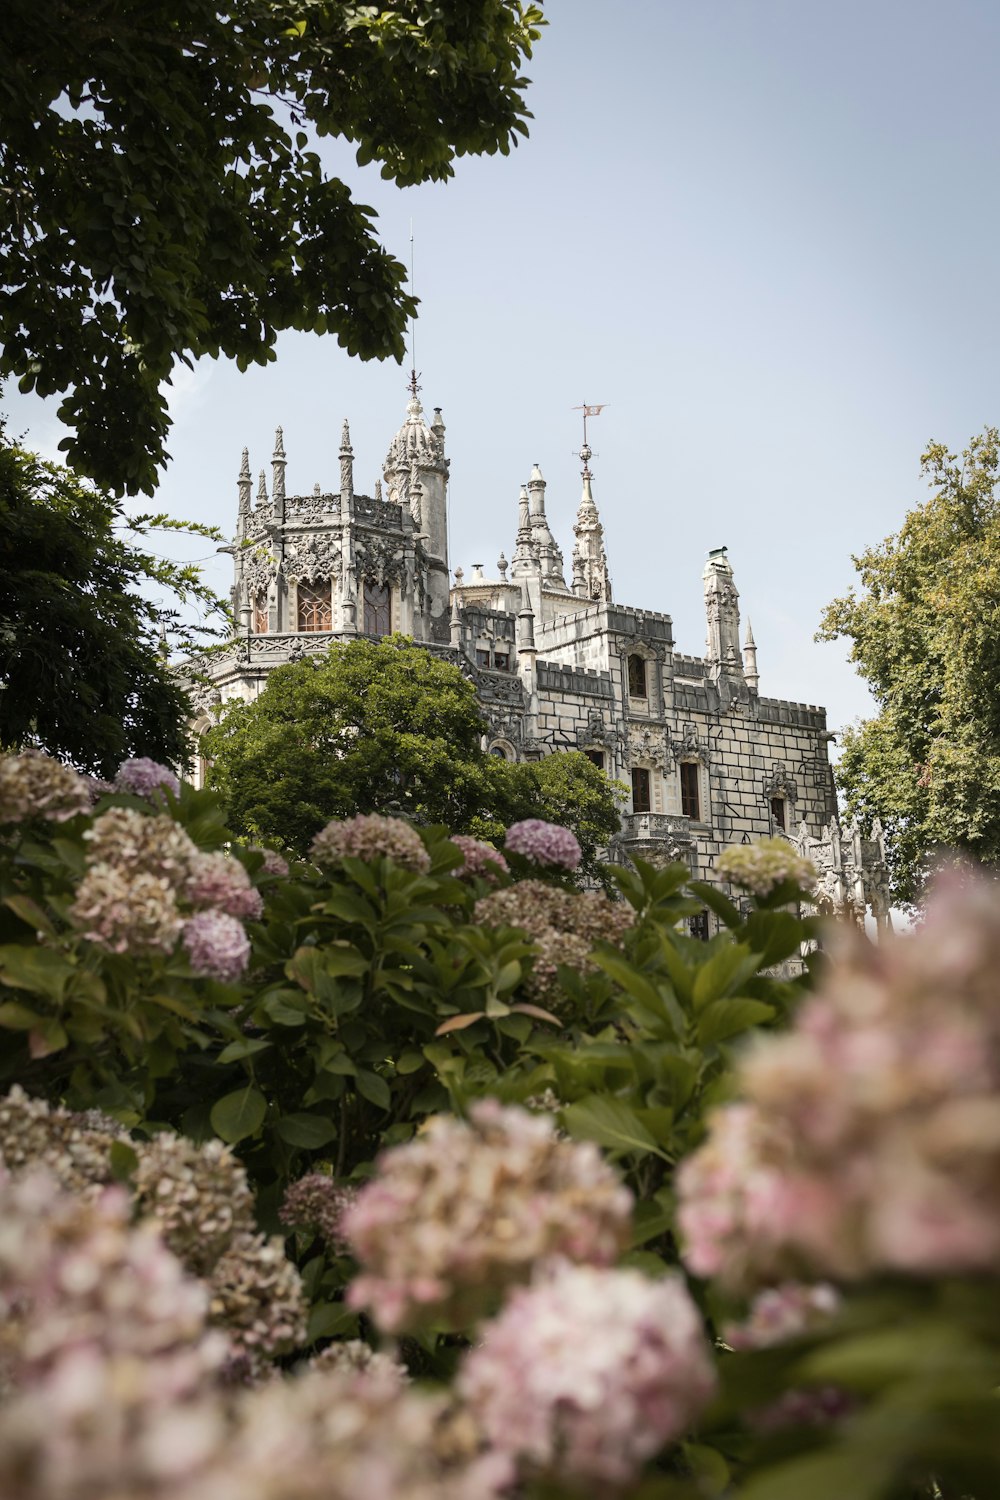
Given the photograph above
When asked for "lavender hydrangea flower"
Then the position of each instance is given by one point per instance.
(143, 777)
(217, 946)
(544, 844)
(318, 1202)
(589, 1372)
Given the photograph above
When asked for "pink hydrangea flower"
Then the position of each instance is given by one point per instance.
(467, 1209)
(217, 946)
(590, 1372)
(869, 1139)
(34, 785)
(544, 844)
(218, 880)
(479, 859)
(143, 777)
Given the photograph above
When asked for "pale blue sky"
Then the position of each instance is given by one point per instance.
(763, 231)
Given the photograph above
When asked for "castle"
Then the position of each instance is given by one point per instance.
(557, 666)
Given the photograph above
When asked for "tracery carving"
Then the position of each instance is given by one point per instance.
(260, 569)
(778, 783)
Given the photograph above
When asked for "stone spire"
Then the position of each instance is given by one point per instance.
(525, 557)
(591, 579)
(419, 448)
(245, 483)
(278, 466)
(262, 489)
(346, 465)
(750, 659)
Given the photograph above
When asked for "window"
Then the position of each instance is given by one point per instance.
(690, 791)
(597, 756)
(501, 660)
(636, 677)
(260, 615)
(778, 813)
(315, 612)
(640, 790)
(378, 608)
(698, 926)
(482, 657)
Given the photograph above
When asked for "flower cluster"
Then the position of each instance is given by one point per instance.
(336, 1434)
(466, 1210)
(146, 884)
(589, 1372)
(479, 859)
(869, 1139)
(217, 881)
(566, 926)
(143, 777)
(33, 785)
(274, 864)
(370, 836)
(199, 1196)
(111, 1368)
(217, 946)
(780, 1313)
(73, 1148)
(318, 1202)
(763, 866)
(544, 844)
(257, 1299)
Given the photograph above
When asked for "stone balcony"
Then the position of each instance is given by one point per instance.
(658, 838)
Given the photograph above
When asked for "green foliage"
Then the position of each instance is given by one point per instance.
(384, 726)
(82, 665)
(164, 200)
(926, 635)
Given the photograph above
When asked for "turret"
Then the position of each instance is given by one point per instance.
(722, 609)
(591, 579)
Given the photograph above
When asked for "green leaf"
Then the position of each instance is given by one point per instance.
(374, 1088)
(38, 969)
(247, 1046)
(29, 911)
(307, 1131)
(239, 1114)
(331, 1320)
(611, 1123)
(717, 902)
(18, 1017)
(726, 1018)
(409, 1062)
(724, 973)
(124, 1160)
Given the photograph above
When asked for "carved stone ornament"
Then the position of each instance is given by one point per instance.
(651, 745)
(637, 645)
(312, 557)
(315, 509)
(259, 571)
(380, 560)
(778, 783)
(688, 746)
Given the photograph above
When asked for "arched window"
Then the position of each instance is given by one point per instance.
(637, 677)
(260, 615)
(314, 609)
(377, 608)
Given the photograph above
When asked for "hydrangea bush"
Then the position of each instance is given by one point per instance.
(709, 1218)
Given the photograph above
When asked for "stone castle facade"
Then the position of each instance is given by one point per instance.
(558, 665)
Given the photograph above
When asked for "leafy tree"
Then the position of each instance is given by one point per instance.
(387, 727)
(161, 199)
(926, 635)
(83, 666)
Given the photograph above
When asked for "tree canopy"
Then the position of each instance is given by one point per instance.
(161, 198)
(385, 726)
(83, 667)
(926, 635)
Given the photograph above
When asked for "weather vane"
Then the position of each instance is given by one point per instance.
(586, 452)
